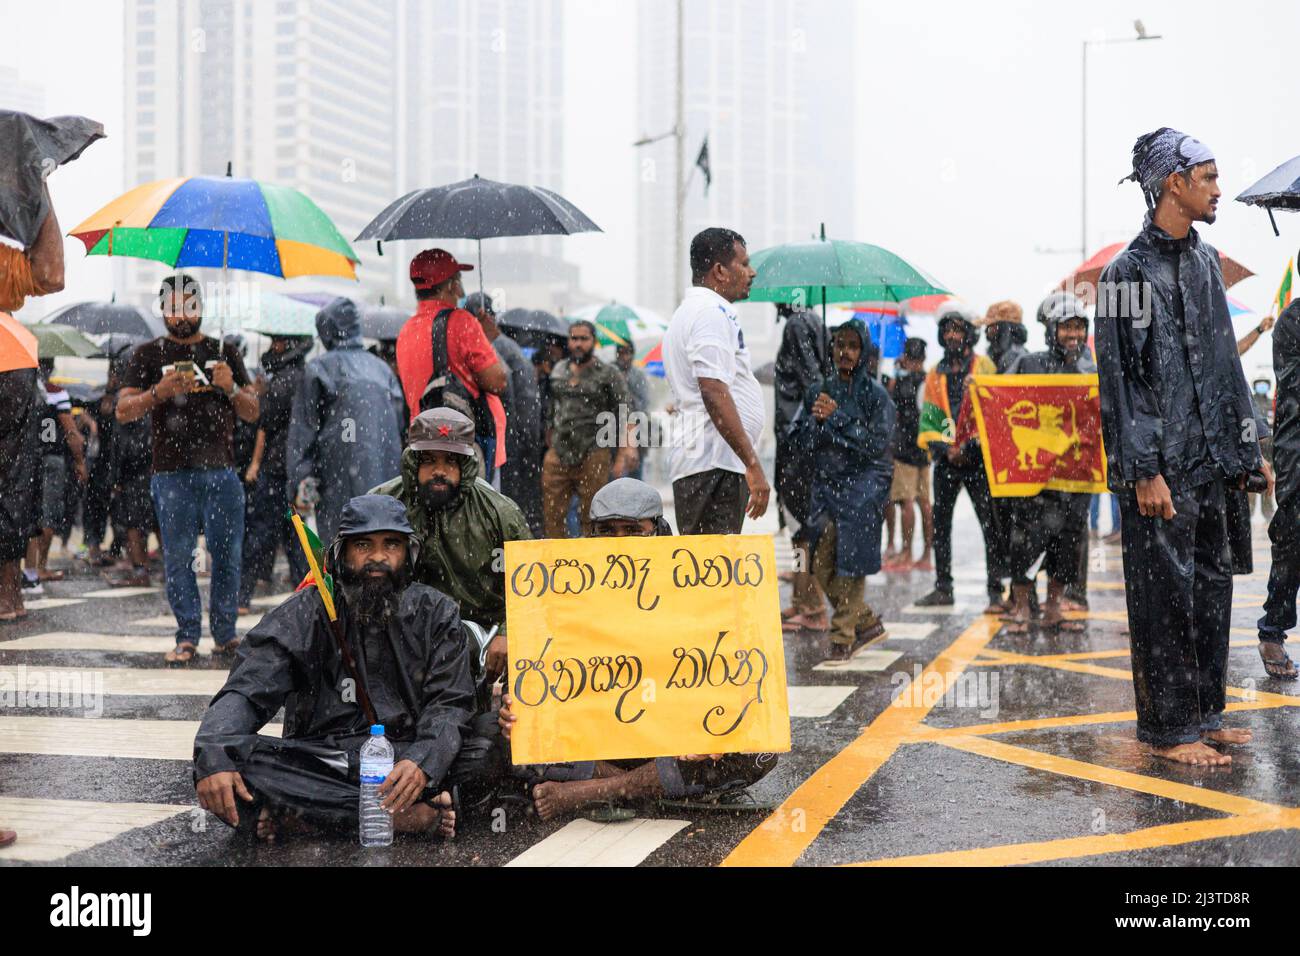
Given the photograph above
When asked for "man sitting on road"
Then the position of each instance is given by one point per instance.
(627, 507)
(461, 522)
(406, 661)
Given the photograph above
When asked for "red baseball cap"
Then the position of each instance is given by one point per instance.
(433, 267)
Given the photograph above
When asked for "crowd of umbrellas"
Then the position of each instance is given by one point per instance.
(222, 222)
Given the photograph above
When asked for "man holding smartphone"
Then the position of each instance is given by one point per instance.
(193, 386)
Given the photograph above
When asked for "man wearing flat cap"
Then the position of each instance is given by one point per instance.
(1182, 439)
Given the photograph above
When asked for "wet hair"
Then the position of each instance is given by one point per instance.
(189, 287)
(914, 349)
(590, 326)
(714, 246)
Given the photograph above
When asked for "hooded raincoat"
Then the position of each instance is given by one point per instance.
(459, 544)
(853, 464)
(347, 418)
(1284, 530)
(416, 668)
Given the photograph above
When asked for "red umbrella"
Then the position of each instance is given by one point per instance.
(1083, 281)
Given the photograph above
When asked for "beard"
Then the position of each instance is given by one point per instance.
(437, 495)
(183, 328)
(373, 598)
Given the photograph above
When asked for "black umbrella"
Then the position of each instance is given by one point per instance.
(533, 320)
(1280, 189)
(478, 209)
(99, 318)
(383, 322)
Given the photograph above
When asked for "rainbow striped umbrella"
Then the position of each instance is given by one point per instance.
(223, 223)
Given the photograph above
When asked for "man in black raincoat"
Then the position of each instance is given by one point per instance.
(1284, 530)
(407, 667)
(1054, 523)
(958, 466)
(846, 434)
(462, 523)
(1181, 436)
(266, 478)
(347, 419)
(628, 507)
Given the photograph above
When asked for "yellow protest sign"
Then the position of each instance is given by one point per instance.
(645, 647)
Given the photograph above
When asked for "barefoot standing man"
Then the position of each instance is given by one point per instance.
(1180, 432)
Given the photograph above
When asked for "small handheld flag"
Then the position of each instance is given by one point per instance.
(1283, 298)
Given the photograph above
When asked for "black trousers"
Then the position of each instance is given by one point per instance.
(711, 502)
(948, 483)
(320, 780)
(1284, 574)
(265, 529)
(680, 779)
(1052, 524)
(1178, 575)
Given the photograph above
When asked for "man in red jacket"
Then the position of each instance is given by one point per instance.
(435, 273)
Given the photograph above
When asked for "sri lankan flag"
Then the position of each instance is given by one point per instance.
(315, 553)
(1284, 290)
(1039, 432)
(936, 415)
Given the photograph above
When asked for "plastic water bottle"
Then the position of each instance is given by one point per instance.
(376, 824)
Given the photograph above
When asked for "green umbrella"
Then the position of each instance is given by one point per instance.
(266, 312)
(835, 270)
(53, 341)
(613, 324)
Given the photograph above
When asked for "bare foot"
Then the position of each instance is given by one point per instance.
(553, 799)
(1230, 735)
(440, 818)
(266, 827)
(1198, 754)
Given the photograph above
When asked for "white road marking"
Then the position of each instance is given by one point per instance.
(79, 641)
(909, 630)
(49, 830)
(871, 659)
(272, 600)
(244, 622)
(817, 701)
(584, 843)
(947, 609)
(121, 592)
(103, 737)
(46, 604)
(79, 682)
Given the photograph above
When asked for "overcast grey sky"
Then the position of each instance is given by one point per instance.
(967, 128)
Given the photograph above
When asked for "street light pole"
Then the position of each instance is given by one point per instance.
(1083, 157)
(679, 131)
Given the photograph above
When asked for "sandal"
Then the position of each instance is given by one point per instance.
(741, 801)
(1283, 669)
(182, 653)
(609, 814)
(228, 649)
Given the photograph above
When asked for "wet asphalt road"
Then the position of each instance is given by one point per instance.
(1014, 766)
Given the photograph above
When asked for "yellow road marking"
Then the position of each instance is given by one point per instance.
(923, 732)
(1067, 766)
(782, 838)
(1171, 834)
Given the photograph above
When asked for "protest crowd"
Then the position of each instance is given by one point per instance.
(414, 462)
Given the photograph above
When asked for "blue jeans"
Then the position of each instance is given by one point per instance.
(184, 501)
(1094, 512)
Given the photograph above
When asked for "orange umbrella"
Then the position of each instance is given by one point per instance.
(17, 345)
(1083, 281)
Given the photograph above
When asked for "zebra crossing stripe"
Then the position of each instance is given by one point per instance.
(49, 830)
(584, 843)
(91, 683)
(83, 641)
(103, 737)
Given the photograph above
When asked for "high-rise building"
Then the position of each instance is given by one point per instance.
(482, 92)
(769, 83)
(18, 94)
(294, 92)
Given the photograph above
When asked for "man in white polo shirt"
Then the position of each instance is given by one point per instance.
(717, 478)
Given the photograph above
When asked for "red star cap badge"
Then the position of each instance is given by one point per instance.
(444, 431)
